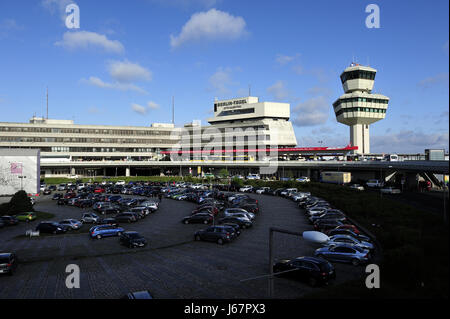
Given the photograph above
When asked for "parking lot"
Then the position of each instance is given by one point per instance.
(172, 265)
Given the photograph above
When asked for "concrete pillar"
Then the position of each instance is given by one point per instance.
(127, 172)
(359, 136)
(72, 171)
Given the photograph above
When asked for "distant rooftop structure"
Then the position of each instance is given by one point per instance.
(42, 120)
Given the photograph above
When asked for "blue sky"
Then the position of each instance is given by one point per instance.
(128, 59)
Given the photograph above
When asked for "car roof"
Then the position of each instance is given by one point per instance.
(5, 254)
(316, 260)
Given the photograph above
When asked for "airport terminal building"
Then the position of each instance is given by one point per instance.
(238, 131)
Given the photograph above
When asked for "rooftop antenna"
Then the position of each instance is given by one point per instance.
(173, 110)
(47, 102)
(249, 90)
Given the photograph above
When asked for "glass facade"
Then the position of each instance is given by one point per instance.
(358, 74)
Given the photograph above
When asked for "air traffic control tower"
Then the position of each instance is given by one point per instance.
(358, 107)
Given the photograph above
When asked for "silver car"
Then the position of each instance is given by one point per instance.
(71, 223)
(90, 218)
(344, 253)
(347, 239)
(239, 212)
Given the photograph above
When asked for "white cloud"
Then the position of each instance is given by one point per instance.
(314, 111)
(95, 81)
(285, 59)
(278, 90)
(152, 105)
(127, 72)
(210, 25)
(409, 142)
(87, 39)
(220, 81)
(139, 109)
(433, 81)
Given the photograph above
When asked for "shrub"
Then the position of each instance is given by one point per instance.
(20, 203)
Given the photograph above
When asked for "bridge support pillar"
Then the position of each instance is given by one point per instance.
(411, 181)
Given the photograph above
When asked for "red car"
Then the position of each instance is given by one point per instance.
(350, 227)
(70, 195)
(99, 190)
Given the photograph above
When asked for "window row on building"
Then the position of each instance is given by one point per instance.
(84, 131)
(360, 99)
(360, 109)
(358, 74)
(83, 140)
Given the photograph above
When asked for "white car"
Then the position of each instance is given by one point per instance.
(357, 186)
(316, 211)
(246, 188)
(262, 190)
(120, 183)
(303, 179)
(390, 190)
(253, 176)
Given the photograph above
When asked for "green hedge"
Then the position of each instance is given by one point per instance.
(19, 203)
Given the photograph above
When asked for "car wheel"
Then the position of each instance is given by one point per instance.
(197, 238)
(99, 236)
(205, 222)
(355, 262)
(119, 233)
(220, 241)
(186, 222)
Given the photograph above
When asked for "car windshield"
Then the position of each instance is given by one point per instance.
(4, 260)
(135, 236)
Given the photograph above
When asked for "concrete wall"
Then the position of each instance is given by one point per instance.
(19, 169)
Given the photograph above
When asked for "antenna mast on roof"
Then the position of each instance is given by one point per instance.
(47, 102)
(173, 110)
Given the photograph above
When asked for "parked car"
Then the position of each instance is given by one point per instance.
(90, 218)
(108, 221)
(8, 263)
(357, 187)
(26, 217)
(351, 227)
(343, 231)
(344, 253)
(126, 217)
(101, 231)
(46, 191)
(313, 270)
(132, 239)
(346, 239)
(374, 183)
(303, 179)
(51, 227)
(390, 190)
(138, 295)
(200, 218)
(57, 196)
(218, 234)
(71, 223)
(107, 210)
(325, 225)
(236, 227)
(9, 220)
(242, 222)
(239, 212)
(328, 215)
